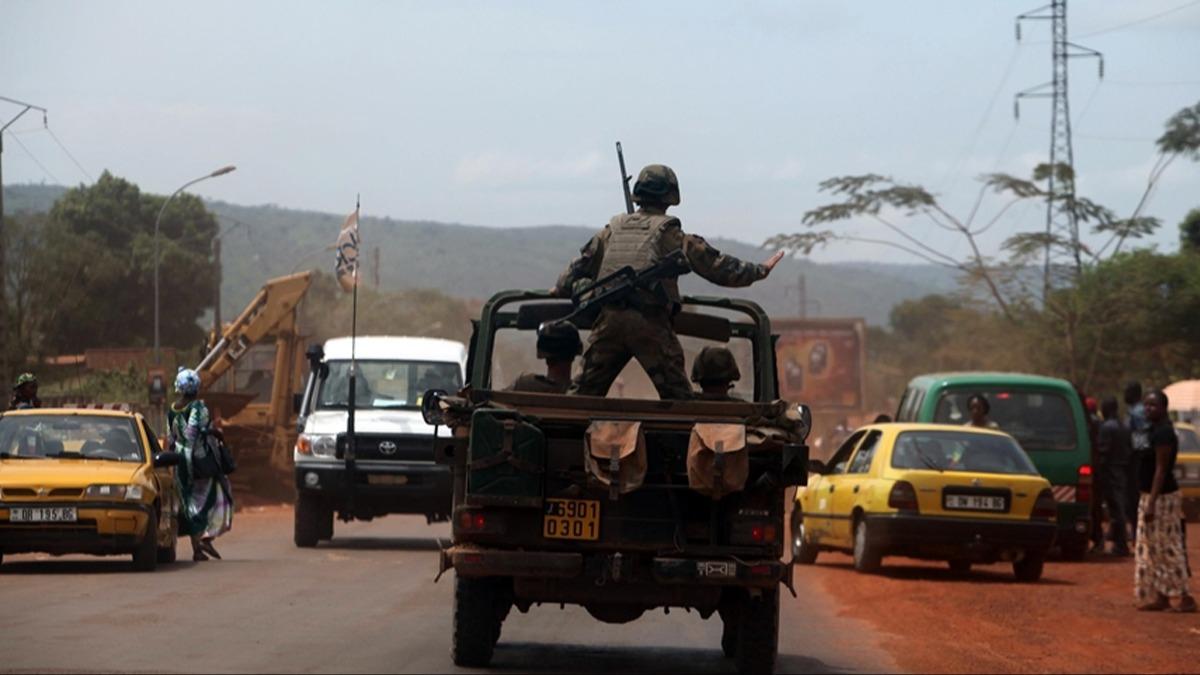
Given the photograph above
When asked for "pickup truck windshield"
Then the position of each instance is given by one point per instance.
(386, 384)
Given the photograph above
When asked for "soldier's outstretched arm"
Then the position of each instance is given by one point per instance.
(723, 269)
(585, 266)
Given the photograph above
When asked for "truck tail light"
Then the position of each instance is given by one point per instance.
(479, 522)
(754, 533)
(903, 496)
(1045, 508)
(1083, 488)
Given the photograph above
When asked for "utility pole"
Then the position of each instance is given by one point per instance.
(217, 290)
(25, 107)
(1059, 188)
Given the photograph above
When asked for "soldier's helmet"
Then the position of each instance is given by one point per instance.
(558, 339)
(715, 365)
(24, 379)
(657, 183)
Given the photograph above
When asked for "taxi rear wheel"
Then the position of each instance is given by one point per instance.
(960, 566)
(867, 556)
(803, 551)
(1029, 568)
(145, 558)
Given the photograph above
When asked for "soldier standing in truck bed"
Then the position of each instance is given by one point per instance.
(640, 327)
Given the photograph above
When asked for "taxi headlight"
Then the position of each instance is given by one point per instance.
(130, 492)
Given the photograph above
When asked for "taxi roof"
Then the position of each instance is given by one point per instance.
(80, 412)
(899, 427)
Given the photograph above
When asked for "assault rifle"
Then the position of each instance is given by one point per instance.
(623, 283)
(625, 178)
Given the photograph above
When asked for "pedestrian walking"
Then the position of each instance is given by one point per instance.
(1135, 421)
(1161, 573)
(1112, 465)
(206, 493)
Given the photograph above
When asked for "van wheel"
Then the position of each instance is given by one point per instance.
(867, 556)
(758, 633)
(145, 557)
(476, 625)
(803, 551)
(1029, 568)
(312, 520)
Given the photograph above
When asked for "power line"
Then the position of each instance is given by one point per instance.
(68, 153)
(1161, 83)
(35, 159)
(1139, 21)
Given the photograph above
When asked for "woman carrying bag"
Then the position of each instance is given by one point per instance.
(207, 495)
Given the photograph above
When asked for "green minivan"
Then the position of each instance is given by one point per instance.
(1044, 414)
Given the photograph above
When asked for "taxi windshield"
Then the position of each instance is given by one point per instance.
(1040, 420)
(386, 384)
(70, 437)
(1189, 441)
(960, 451)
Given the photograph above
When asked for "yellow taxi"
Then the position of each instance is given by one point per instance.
(1187, 468)
(86, 481)
(934, 491)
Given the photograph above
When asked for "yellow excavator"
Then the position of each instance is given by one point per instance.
(249, 382)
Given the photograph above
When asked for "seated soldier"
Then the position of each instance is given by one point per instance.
(715, 370)
(558, 344)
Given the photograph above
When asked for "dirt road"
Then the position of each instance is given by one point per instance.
(1079, 618)
(366, 603)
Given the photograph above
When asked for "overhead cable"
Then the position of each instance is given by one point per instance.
(35, 159)
(1138, 21)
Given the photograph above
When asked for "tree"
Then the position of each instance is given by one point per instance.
(1189, 232)
(95, 267)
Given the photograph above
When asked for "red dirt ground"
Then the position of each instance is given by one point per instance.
(1079, 618)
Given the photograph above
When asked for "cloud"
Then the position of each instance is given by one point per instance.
(500, 169)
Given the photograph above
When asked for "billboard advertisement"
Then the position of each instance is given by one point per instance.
(821, 362)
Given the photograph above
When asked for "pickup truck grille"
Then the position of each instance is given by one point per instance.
(388, 447)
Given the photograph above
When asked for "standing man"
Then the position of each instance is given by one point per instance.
(558, 344)
(1135, 422)
(640, 326)
(1112, 465)
(25, 393)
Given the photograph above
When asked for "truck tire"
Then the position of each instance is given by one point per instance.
(867, 556)
(730, 627)
(476, 623)
(310, 521)
(758, 633)
(145, 556)
(803, 551)
(1029, 568)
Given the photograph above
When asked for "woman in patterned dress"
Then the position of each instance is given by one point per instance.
(1162, 570)
(208, 501)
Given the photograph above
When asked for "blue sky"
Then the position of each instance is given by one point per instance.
(504, 114)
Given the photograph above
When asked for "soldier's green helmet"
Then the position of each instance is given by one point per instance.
(657, 183)
(558, 339)
(25, 378)
(715, 365)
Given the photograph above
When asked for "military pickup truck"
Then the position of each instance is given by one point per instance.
(620, 505)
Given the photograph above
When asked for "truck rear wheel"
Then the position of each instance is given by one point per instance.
(758, 633)
(476, 622)
(314, 521)
(730, 620)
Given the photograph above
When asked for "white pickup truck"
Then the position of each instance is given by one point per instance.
(393, 469)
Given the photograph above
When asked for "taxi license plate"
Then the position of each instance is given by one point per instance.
(571, 519)
(43, 515)
(975, 503)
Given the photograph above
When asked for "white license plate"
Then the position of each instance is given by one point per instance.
(975, 503)
(66, 514)
(716, 569)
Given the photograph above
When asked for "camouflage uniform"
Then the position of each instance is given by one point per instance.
(641, 327)
(539, 384)
(557, 341)
(716, 366)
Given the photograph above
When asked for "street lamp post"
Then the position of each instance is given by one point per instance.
(219, 172)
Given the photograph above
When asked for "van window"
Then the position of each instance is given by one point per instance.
(1040, 420)
(905, 404)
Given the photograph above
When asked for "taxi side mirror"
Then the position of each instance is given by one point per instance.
(165, 459)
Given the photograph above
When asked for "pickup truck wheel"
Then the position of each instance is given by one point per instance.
(758, 633)
(476, 622)
(309, 525)
(1030, 567)
(803, 551)
(730, 620)
(145, 557)
(867, 557)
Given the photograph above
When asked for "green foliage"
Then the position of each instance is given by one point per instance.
(1182, 136)
(101, 387)
(1189, 232)
(326, 312)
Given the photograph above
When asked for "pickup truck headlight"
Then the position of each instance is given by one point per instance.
(317, 445)
(127, 492)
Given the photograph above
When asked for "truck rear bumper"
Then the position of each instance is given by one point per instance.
(472, 561)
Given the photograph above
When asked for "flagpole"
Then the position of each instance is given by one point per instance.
(351, 448)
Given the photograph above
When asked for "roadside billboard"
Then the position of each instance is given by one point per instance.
(821, 362)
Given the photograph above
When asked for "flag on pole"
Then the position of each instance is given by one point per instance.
(347, 252)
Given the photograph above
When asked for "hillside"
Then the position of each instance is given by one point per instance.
(474, 261)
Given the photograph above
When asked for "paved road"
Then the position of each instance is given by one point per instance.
(364, 603)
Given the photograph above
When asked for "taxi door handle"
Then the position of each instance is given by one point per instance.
(855, 489)
(831, 487)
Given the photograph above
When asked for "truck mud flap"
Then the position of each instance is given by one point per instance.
(474, 562)
(728, 572)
